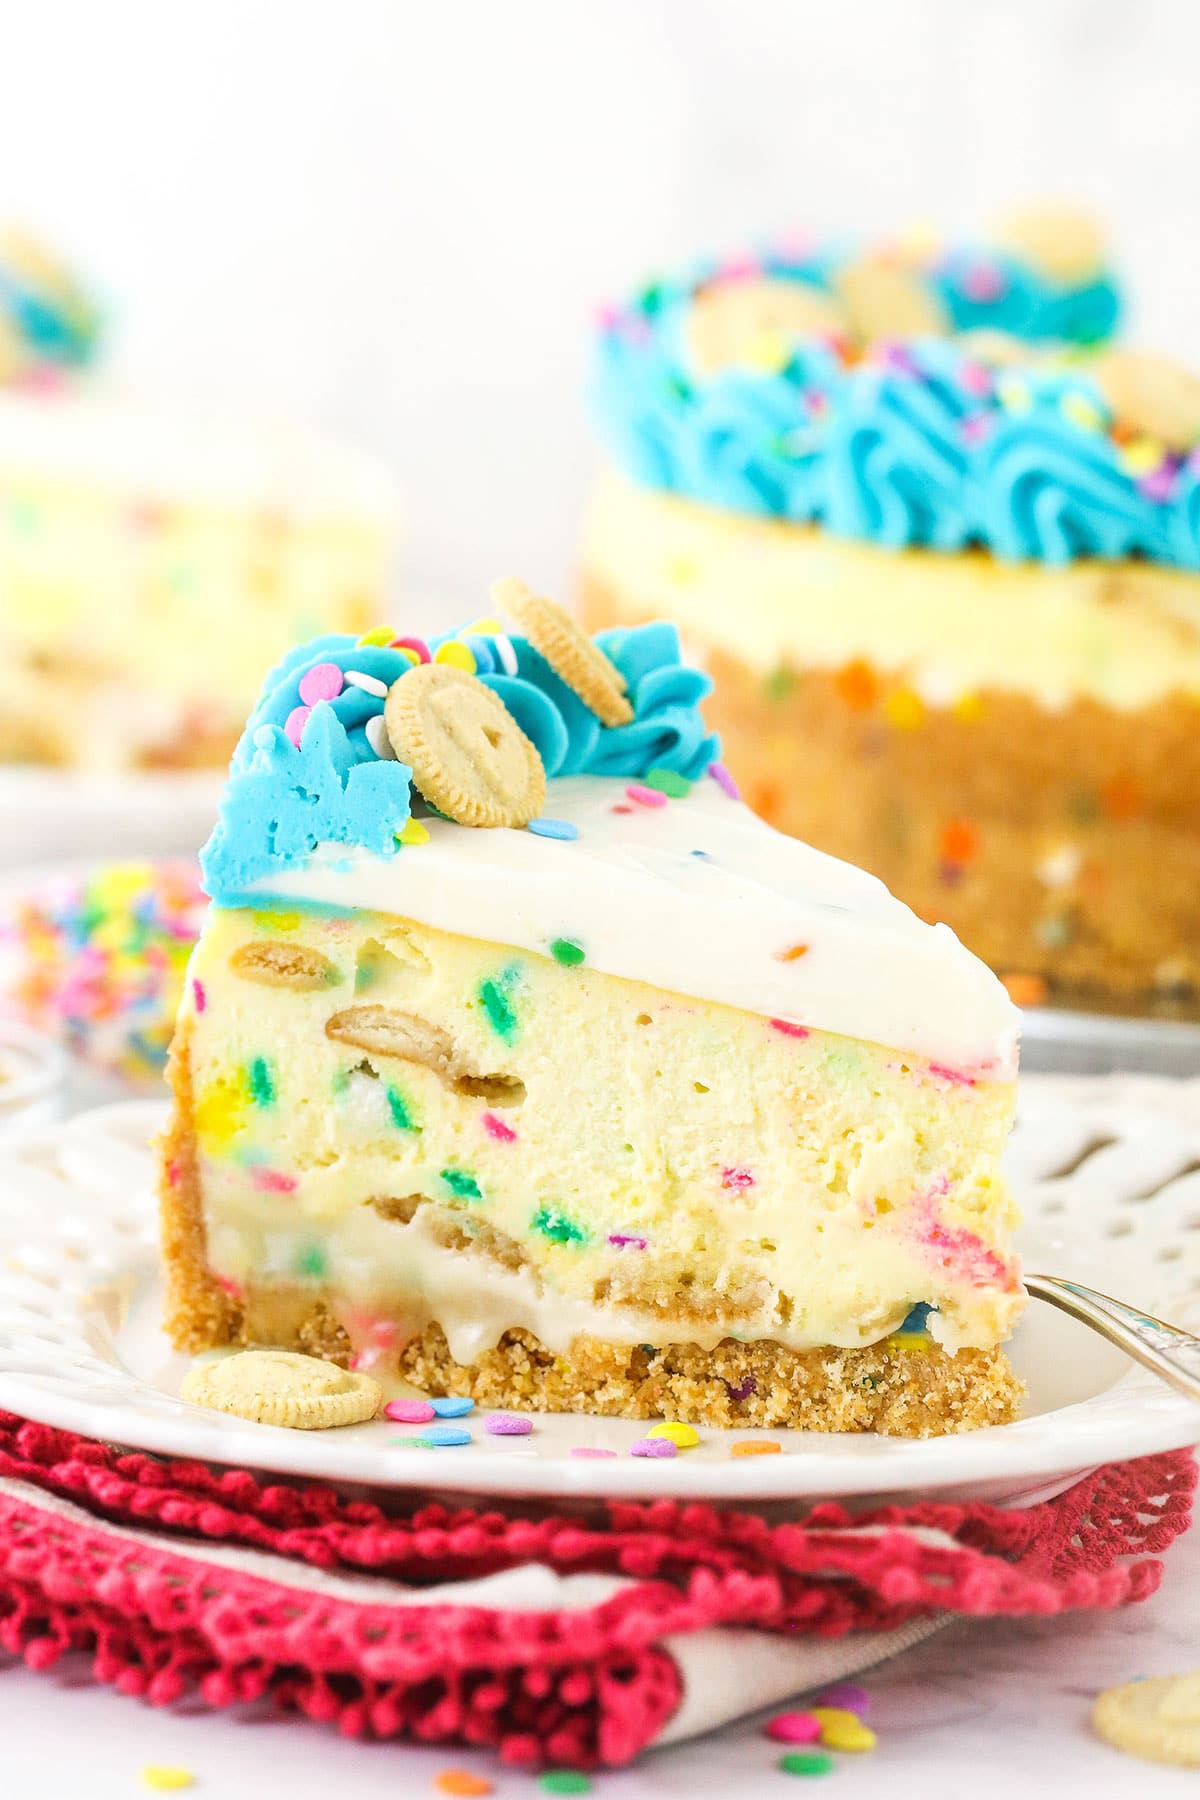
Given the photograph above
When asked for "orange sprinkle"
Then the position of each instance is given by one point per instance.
(858, 685)
(958, 842)
(461, 1781)
(1025, 990)
(793, 953)
(1121, 797)
(766, 799)
(755, 1447)
(968, 709)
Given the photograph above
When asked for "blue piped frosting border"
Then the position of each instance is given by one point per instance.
(306, 773)
(911, 442)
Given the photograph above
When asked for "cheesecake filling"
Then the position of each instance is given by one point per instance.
(415, 1126)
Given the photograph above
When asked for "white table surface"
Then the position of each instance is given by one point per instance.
(984, 1708)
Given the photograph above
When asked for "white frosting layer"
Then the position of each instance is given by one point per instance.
(698, 897)
(149, 453)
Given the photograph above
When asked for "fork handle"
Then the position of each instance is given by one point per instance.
(1171, 1353)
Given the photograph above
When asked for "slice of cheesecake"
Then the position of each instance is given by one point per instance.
(644, 1109)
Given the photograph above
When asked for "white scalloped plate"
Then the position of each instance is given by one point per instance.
(1108, 1172)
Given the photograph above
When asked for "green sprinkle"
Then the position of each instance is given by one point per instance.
(312, 1262)
(462, 1183)
(555, 1225)
(340, 1083)
(564, 951)
(262, 1084)
(779, 684)
(402, 1119)
(806, 1762)
(496, 998)
(669, 782)
(1083, 807)
(565, 1781)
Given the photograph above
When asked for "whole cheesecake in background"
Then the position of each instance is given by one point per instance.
(767, 1193)
(153, 561)
(939, 545)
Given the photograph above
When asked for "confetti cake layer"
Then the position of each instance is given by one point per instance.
(943, 556)
(642, 1109)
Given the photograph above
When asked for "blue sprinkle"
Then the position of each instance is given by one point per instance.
(442, 1437)
(702, 853)
(915, 1321)
(454, 1406)
(553, 828)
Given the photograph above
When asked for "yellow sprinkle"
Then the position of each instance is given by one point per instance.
(221, 1110)
(683, 1435)
(842, 1730)
(1081, 412)
(912, 1343)
(278, 921)
(484, 628)
(414, 833)
(457, 655)
(1142, 456)
(904, 710)
(968, 708)
(1014, 396)
(768, 351)
(682, 570)
(165, 1778)
(409, 655)
(382, 634)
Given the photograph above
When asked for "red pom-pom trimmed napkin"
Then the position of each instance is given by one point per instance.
(580, 1640)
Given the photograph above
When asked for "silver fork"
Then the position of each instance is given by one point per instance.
(1172, 1353)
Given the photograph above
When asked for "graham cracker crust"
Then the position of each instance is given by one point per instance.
(1063, 847)
(884, 1388)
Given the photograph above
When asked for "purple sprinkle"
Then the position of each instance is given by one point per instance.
(724, 780)
(553, 828)
(654, 1447)
(409, 1412)
(849, 1696)
(744, 1389)
(590, 1450)
(1159, 485)
(622, 1239)
(507, 1425)
(199, 995)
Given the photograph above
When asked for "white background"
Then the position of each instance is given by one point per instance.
(397, 216)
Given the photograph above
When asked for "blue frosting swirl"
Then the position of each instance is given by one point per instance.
(899, 465)
(283, 798)
(917, 443)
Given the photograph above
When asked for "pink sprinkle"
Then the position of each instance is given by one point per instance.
(645, 796)
(271, 1181)
(496, 1128)
(409, 1412)
(975, 429)
(295, 722)
(850, 1696)
(654, 1447)
(622, 809)
(173, 1173)
(795, 1728)
(507, 1425)
(724, 780)
(738, 268)
(789, 1030)
(975, 378)
(983, 282)
(228, 1286)
(955, 1076)
(199, 995)
(590, 1450)
(418, 646)
(624, 1239)
(321, 683)
(737, 1179)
